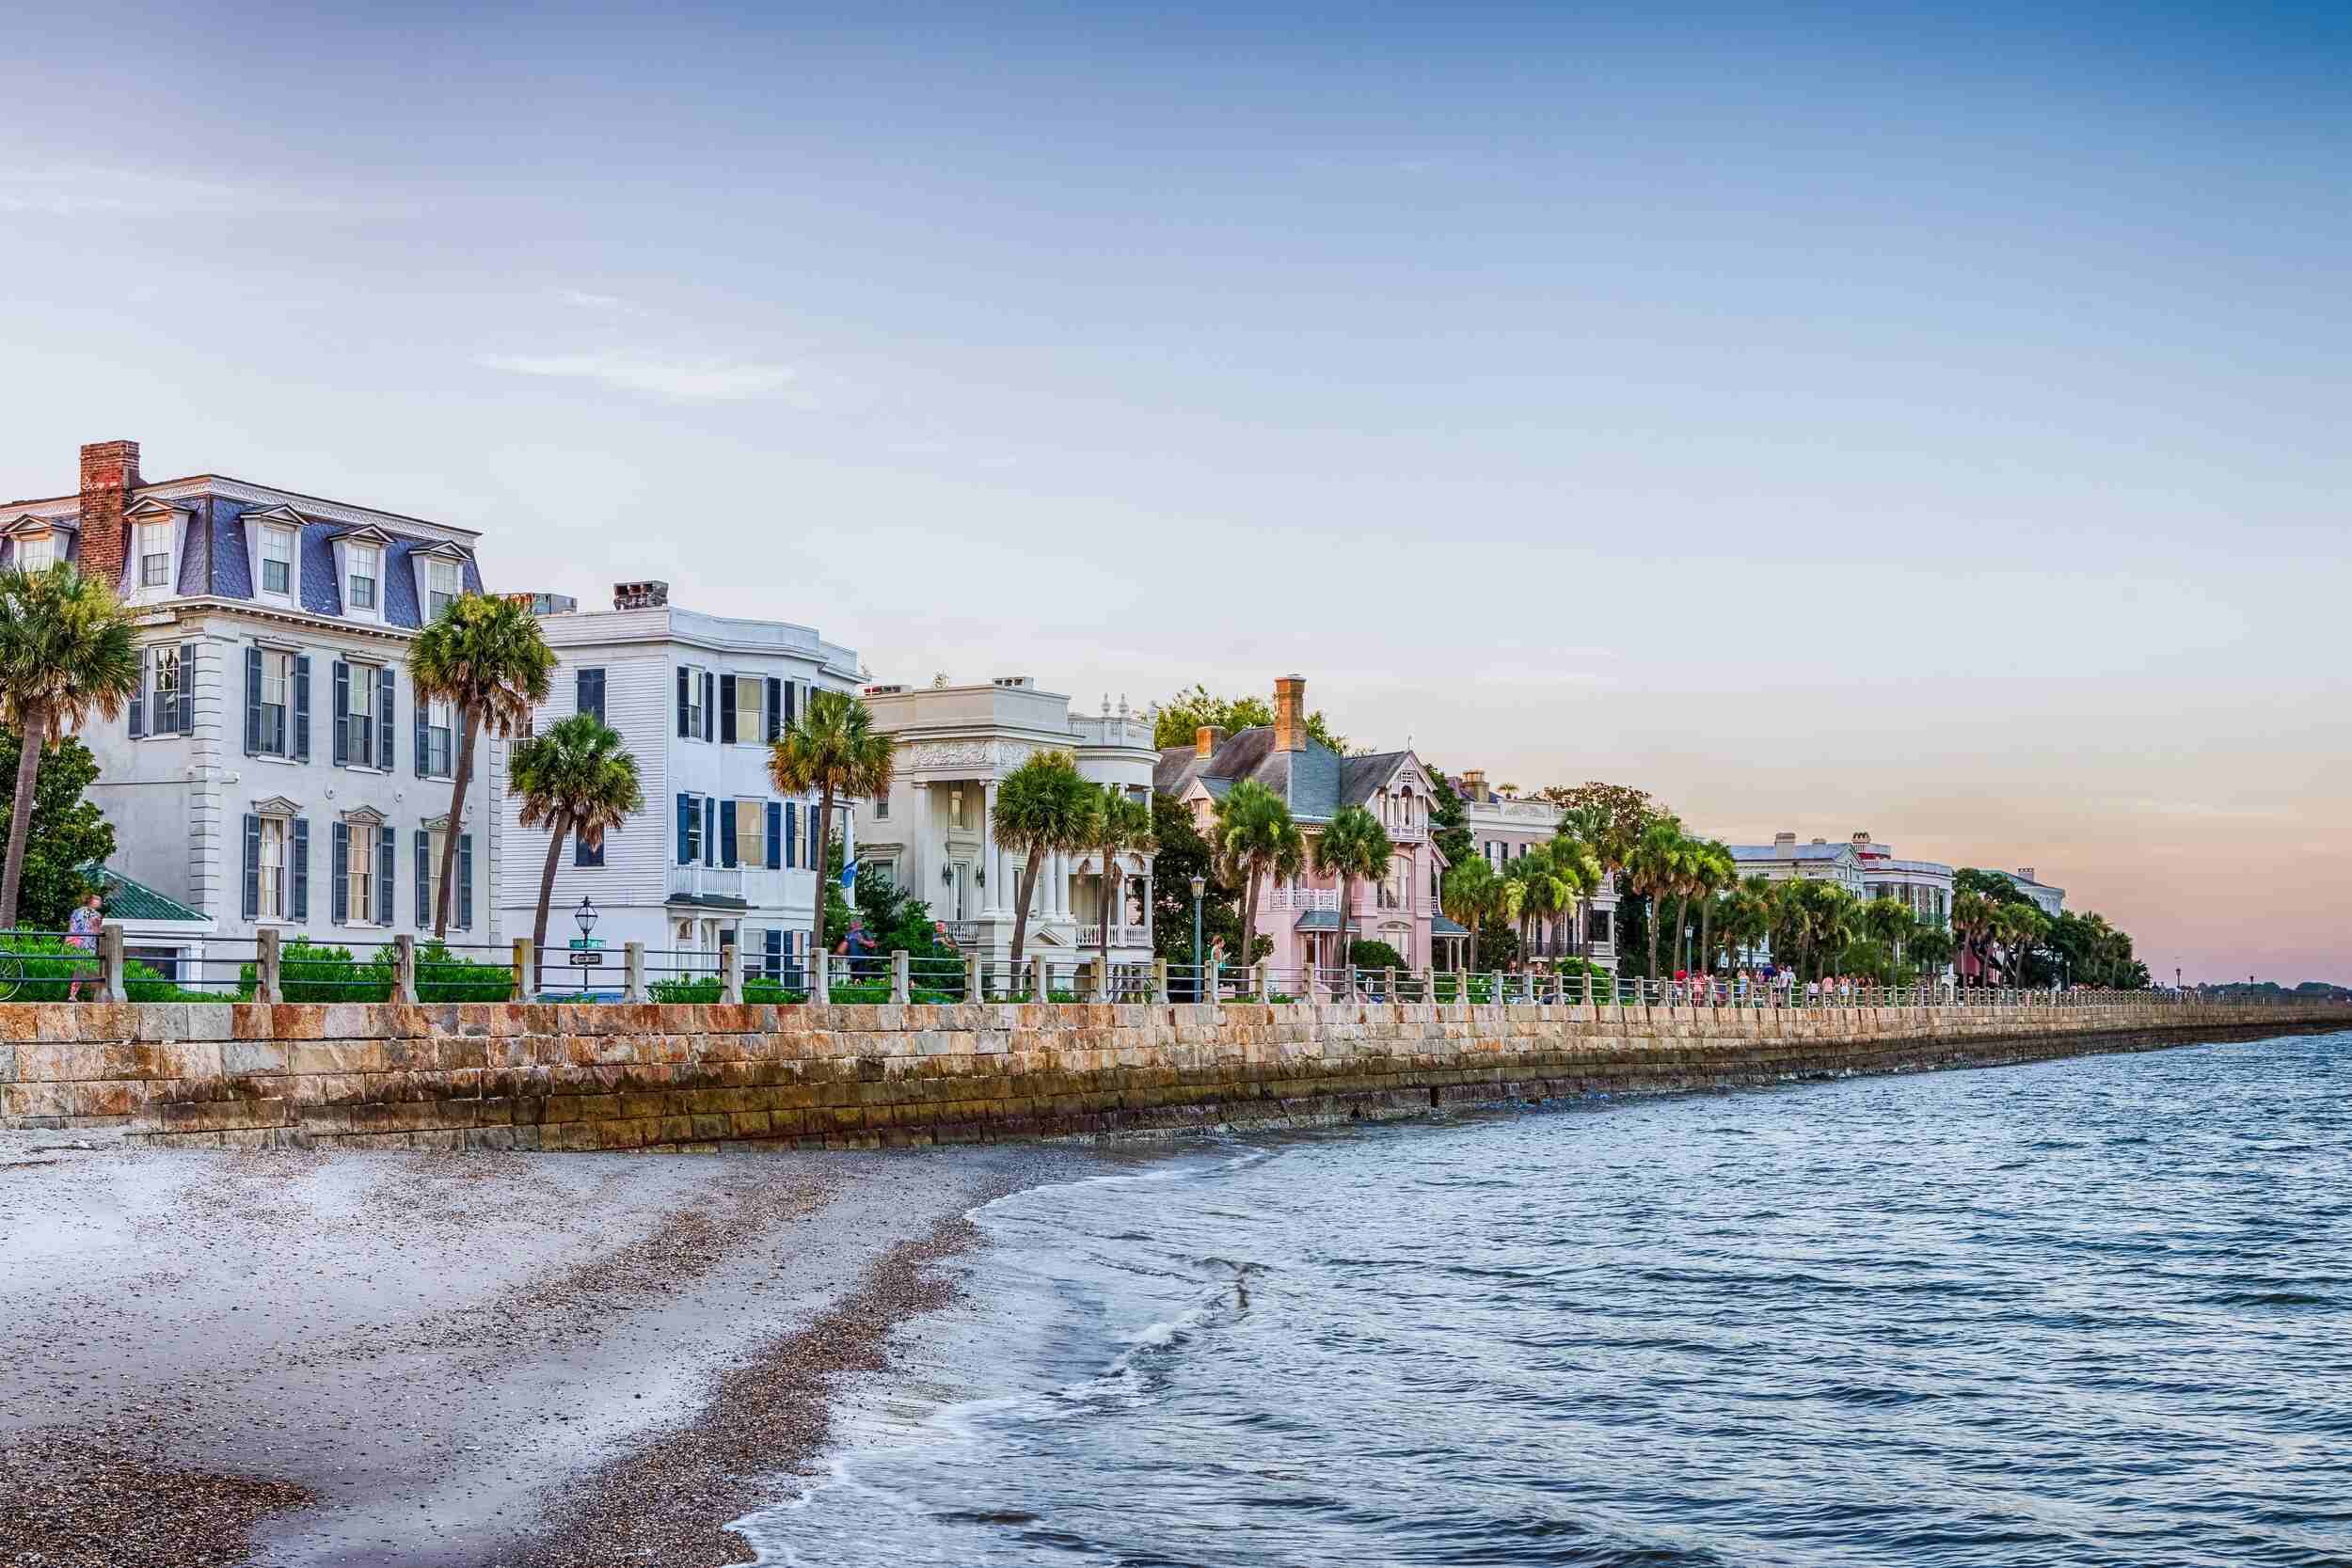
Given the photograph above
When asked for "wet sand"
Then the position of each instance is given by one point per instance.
(302, 1359)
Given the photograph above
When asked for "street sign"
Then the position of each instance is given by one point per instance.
(587, 943)
(586, 960)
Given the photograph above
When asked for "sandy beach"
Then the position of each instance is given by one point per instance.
(307, 1360)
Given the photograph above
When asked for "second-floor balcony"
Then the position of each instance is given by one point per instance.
(708, 882)
(1121, 936)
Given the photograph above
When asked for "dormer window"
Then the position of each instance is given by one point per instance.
(363, 563)
(36, 552)
(154, 555)
(278, 554)
(441, 587)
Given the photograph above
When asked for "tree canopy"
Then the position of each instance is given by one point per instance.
(67, 832)
(1178, 720)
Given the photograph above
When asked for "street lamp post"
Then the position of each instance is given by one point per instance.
(586, 918)
(1200, 887)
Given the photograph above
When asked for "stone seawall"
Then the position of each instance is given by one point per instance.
(661, 1076)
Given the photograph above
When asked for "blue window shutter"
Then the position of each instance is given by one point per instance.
(726, 709)
(253, 701)
(185, 723)
(775, 838)
(727, 833)
(424, 880)
(424, 712)
(386, 869)
(791, 696)
(384, 720)
(791, 834)
(343, 714)
(252, 867)
(685, 701)
(775, 707)
(685, 828)
(298, 895)
(774, 940)
(465, 882)
(710, 705)
(138, 693)
(710, 830)
(300, 748)
(338, 849)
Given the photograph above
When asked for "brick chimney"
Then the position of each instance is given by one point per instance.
(2026, 872)
(1206, 739)
(1474, 780)
(110, 472)
(1290, 713)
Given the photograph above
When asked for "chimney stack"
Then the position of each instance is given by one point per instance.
(110, 472)
(2026, 872)
(1474, 780)
(1784, 845)
(1290, 713)
(1206, 739)
(639, 596)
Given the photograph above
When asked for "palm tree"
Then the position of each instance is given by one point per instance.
(1972, 923)
(1713, 869)
(1466, 895)
(833, 749)
(1745, 918)
(1655, 864)
(2017, 927)
(1932, 947)
(1578, 865)
(486, 658)
(1256, 838)
(1119, 825)
(1889, 921)
(1351, 845)
(67, 655)
(578, 778)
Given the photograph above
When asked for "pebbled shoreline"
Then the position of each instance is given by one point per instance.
(298, 1358)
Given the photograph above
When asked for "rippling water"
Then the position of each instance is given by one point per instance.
(2087, 1312)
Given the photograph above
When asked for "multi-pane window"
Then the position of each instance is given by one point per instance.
(155, 554)
(690, 830)
(362, 742)
(751, 830)
(277, 552)
(273, 867)
(440, 587)
(360, 870)
(751, 694)
(439, 725)
(881, 807)
(695, 718)
(361, 590)
(277, 695)
(36, 552)
(163, 688)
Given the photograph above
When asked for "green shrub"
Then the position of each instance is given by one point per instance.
(307, 971)
(46, 968)
(1376, 955)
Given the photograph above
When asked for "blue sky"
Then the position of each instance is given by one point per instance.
(1929, 423)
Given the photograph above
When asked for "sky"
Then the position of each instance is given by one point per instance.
(1921, 420)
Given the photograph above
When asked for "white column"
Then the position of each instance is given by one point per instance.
(919, 847)
(998, 899)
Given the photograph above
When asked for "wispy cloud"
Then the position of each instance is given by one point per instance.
(682, 380)
(610, 304)
(77, 192)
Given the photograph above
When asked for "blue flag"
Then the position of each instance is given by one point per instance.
(849, 877)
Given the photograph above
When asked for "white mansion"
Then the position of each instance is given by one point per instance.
(1502, 828)
(718, 853)
(954, 744)
(275, 769)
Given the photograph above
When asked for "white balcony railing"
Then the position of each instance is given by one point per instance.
(708, 882)
(1121, 936)
(1301, 900)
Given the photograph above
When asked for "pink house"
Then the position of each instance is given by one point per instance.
(1302, 916)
